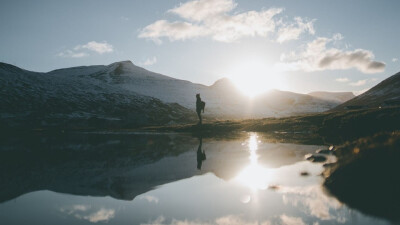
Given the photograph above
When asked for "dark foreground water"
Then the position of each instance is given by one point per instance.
(127, 178)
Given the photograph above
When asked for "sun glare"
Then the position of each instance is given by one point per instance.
(255, 77)
(255, 176)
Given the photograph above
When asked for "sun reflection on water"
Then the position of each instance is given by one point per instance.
(255, 176)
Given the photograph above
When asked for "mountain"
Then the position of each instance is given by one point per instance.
(339, 97)
(124, 95)
(386, 93)
(223, 99)
(78, 97)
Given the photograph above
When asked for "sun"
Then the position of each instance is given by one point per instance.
(255, 77)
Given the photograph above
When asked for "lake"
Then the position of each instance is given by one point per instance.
(165, 178)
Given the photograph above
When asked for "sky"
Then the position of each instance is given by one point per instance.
(300, 46)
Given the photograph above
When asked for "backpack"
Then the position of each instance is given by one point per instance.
(203, 105)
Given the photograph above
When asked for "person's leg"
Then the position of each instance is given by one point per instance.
(199, 115)
(201, 120)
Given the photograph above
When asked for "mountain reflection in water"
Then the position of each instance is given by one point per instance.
(154, 179)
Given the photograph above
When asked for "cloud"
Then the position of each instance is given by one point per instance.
(80, 51)
(395, 59)
(72, 54)
(288, 220)
(202, 9)
(172, 30)
(213, 18)
(342, 79)
(225, 220)
(101, 215)
(337, 37)
(79, 211)
(359, 83)
(316, 56)
(99, 47)
(362, 82)
(124, 18)
(293, 31)
(357, 93)
(313, 198)
(149, 61)
(80, 207)
(150, 198)
(75, 208)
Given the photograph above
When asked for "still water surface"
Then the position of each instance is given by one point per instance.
(122, 178)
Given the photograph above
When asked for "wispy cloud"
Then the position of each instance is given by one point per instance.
(360, 92)
(225, 220)
(172, 30)
(356, 83)
(72, 54)
(124, 18)
(150, 198)
(316, 56)
(99, 47)
(342, 79)
(359, 83)
(150, 61)
(74, 208)
(86, 212)
(289, 220)
(200, 10)
(363, 82)
(80, 51)
(337, 37)
(101, 215)
(395, 59)
(216, 19)
(294, 30)
(313, 200)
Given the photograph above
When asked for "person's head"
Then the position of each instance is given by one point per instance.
(197, 95)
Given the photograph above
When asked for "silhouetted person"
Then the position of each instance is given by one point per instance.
(201, 155)
(199, 106)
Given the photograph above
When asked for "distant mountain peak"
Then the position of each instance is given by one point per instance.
(122, 67)
(122, 63)
(333, 96)
(129, 69)
(223, 83)
(125, 62)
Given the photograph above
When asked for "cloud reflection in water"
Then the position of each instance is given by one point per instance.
(85, 212)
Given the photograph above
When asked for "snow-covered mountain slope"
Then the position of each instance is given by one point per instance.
(223, 99)
(386, 93)
(127, 95)
(78, 97)
(339, 97)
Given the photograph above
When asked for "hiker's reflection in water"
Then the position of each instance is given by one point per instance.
(201, 155)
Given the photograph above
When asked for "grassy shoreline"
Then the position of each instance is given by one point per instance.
(333, 127)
